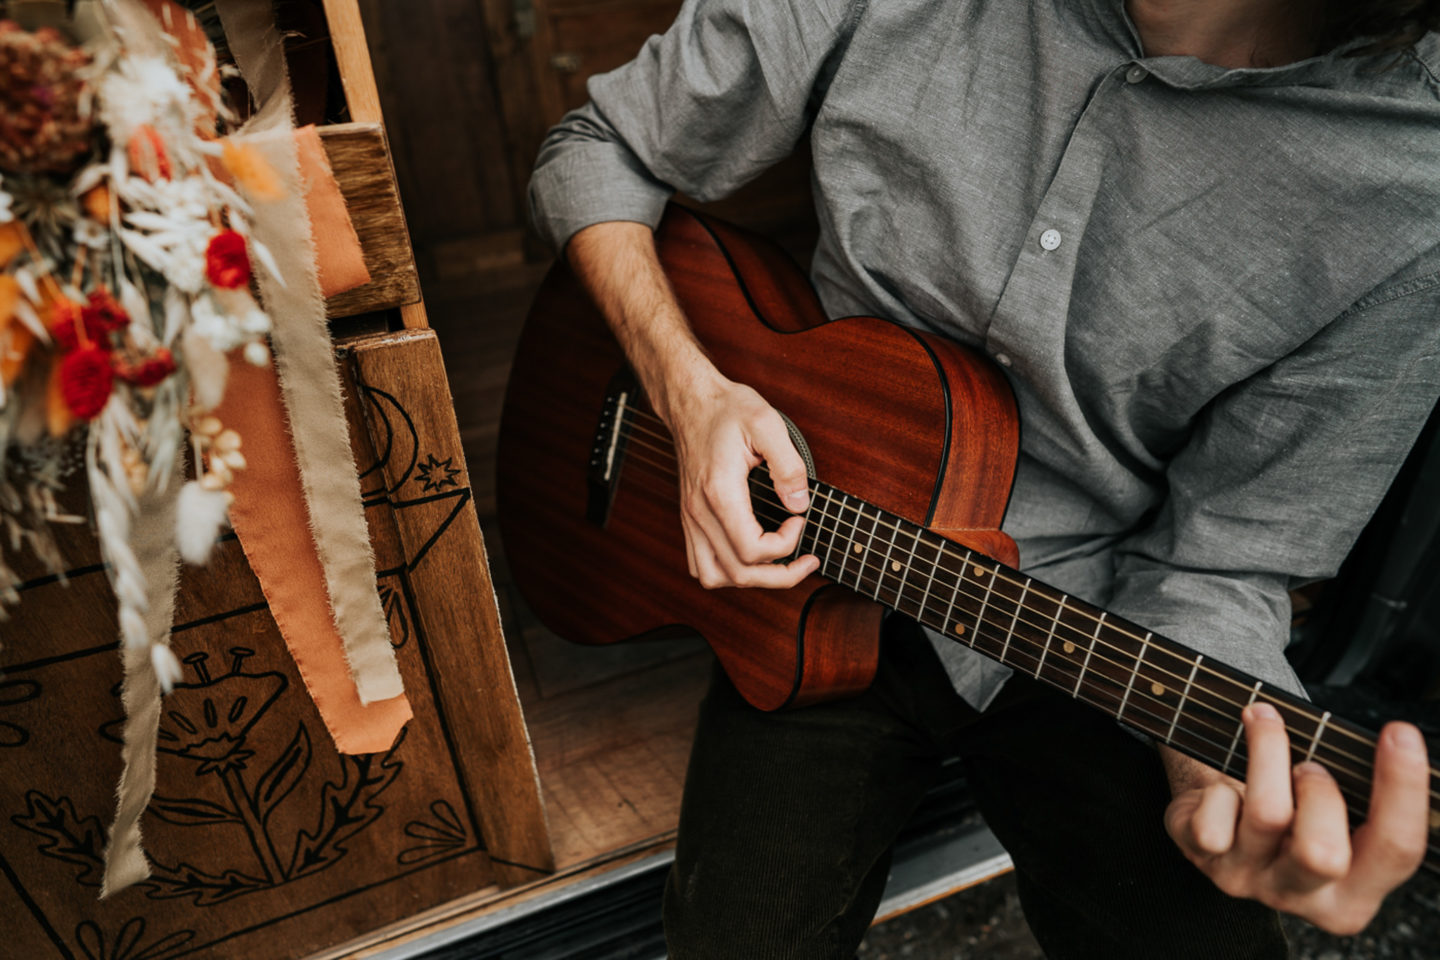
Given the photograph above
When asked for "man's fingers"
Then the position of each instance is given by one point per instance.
(1268, 809)
(1318, 851)
(1391, 844)
(1212, 826)
(707, 569)
(772, 444)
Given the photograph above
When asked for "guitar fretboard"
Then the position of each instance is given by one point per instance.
(1145, 680)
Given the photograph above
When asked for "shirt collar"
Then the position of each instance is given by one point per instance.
(1190, 73)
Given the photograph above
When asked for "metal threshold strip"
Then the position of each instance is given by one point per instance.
(616, 915)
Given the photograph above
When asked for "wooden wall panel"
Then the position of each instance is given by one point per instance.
(436, 75)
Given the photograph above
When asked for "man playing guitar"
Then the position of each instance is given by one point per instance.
(1200, 238)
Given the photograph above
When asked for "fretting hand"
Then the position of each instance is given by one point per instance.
(1283, 837)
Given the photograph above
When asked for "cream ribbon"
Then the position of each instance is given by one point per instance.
(305, 359)
(153, 541)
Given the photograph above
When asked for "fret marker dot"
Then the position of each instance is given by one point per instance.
(858, 548)
(895, 565)
(979, 570)
(1069, 647)
(1157, 688)
(960, 629)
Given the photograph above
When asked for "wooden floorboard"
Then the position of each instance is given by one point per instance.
(610, 726)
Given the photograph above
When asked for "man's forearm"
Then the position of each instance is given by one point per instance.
(617, 263)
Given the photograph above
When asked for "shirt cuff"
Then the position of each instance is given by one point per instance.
(590, 183)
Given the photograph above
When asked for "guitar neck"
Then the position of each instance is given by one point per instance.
(1145, 680)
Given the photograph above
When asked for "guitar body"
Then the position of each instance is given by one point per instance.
(912, 423)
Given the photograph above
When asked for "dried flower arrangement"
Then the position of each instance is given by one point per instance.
(125, 276)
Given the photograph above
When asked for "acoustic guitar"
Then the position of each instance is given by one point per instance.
(911, 442)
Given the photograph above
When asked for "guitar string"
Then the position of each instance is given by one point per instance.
(961, 574)
(1091, 617)
(1086, 638)
(1012, 582)
(992, 632)
(1356, 795)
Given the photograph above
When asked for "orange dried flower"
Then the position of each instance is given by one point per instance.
(147, 154)
(251, 171)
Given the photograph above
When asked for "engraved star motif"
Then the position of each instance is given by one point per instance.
(438, 474)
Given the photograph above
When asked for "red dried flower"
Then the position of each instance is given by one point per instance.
(149, 371)
(86, 380)
(227, 263)
(64, 319)
(103, 314)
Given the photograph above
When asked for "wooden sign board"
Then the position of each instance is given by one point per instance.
(266, 842)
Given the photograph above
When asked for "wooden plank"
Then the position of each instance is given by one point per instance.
(612, 758)
(347, 36)
(360, 157)
(352, 57)
(429, 488)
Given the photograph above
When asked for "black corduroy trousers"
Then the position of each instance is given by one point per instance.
(788, 819)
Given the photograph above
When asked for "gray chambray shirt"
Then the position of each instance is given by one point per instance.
(1215, 291)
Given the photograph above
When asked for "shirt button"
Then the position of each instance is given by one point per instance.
(1050, 239)
(1136, 73)
(1003, 359)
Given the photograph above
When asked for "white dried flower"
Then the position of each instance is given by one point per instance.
(166, 666)
(257, 353)
(91, 234)
(146, 91)
(200, 516)
(214, 325)
(5, 200)
(208, 367)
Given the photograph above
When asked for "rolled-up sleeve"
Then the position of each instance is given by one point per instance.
(726, 92)
(1279, 477)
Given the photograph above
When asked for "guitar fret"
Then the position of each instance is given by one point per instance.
(979, 617)
(820, 528)
(1049, 637)
(1088, 654)
(865, 557)
(1240, 728)
(930, 584)
(1184, 694)
(845, 552)
(1019, 605)
(955, 595)
(885, 564)
(1130, 684)
(900, 590)
(1315, 740)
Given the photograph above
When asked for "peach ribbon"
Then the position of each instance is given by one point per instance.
(270, 518)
